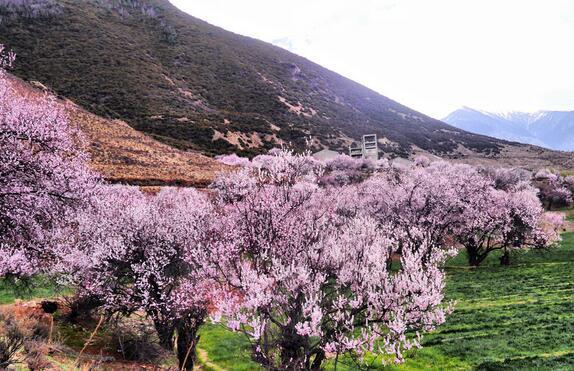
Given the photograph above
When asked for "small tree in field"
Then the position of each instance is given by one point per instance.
(423, 203)
(344, 170)
(504, 220)
(555, 195)
(44, 177)
(308, 278)
(554, 190)
(138, 252)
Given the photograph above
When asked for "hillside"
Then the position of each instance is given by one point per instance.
(122, 154)
(197, 86)
(550, 129)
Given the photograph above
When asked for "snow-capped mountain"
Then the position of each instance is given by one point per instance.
(551, 129)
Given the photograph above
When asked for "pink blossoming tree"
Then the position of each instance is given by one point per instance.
(555, 190)
(307, 278)
(233, 160)
(422, 203)
(138, 252)
(504, 220)
(44, 177)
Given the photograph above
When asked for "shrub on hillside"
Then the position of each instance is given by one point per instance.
(136, 342)
(11, 339)
(82, 307)
(23, 331)
(35, 357)
(13, 9)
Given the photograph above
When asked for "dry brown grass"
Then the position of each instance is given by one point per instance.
(123, 155)
(525, 156)
(63, 352)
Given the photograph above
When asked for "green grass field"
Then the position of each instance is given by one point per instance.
(37, 288)
(568, 213)
(517, 317)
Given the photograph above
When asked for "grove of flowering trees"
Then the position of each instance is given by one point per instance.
(441, 206)
(299, 237)
(309, 273)
(423, 203)
(311, 260)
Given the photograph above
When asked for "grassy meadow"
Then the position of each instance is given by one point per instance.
(517, 317)
(38, 288)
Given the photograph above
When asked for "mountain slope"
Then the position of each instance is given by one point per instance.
(197, 86)
(550, 129)
(122, 154)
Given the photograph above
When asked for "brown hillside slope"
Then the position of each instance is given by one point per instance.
(519, 155)
(123, 155)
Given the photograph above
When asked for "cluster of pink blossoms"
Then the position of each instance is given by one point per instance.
(44, 177)
(555, 190)
(353, 265)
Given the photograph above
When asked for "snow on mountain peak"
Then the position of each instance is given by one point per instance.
(552, 129)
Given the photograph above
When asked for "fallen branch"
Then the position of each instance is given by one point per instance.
(90, 339)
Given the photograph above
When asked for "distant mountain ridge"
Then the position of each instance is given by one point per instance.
(550, 129)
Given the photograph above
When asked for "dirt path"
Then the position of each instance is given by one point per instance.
(203, 358)
(568, 224)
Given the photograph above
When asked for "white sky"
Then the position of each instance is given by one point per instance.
(434, 56)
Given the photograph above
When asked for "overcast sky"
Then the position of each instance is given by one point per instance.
(434, 56)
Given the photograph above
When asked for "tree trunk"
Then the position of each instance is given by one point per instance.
(292, 345)
(474, 258)
(318, 361)
(261, 356)
(165, 332)
(187, 340)
(505, 258)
